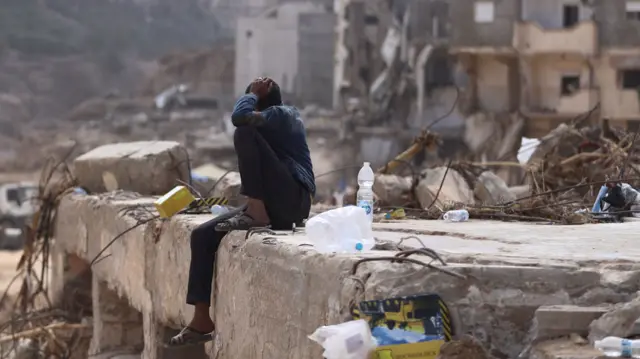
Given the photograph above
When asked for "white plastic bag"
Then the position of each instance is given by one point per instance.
(350, 340)
(344, 229)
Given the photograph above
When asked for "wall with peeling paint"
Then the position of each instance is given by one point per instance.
(493, 84)
(498, 33)
(617, 103)
(315, 60)
(547, 72)
(267, 45)
(615, 30)
(548, 13)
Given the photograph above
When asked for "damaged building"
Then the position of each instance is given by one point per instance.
(292, 42)
(550, 61)
(393, 58)
(509, 68)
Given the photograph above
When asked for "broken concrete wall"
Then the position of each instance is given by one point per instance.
(615, 29)
(429, 19)
(549, 14)
(361, 27)
(270, 294)
(207, 72)
(316, 60)
(146, 267)
(496, 33)
(148, 167)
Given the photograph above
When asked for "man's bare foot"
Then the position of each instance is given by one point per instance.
(201, 321)
(202, 325)
(257, 211)
(200, 330)
(254, 216)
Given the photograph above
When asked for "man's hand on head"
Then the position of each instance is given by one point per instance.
(261, 86)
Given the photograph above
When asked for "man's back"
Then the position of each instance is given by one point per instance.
(282, 127)
(289, 142)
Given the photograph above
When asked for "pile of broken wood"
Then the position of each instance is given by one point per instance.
(559, 181)
(33, 324)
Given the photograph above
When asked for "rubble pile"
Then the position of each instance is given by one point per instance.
(569, 156)
(560, 180)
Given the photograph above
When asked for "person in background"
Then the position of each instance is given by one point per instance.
(277, 178)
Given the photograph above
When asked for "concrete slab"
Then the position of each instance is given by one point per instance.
(554, 321)
(273, 291)
(493, 240)
(147, 167)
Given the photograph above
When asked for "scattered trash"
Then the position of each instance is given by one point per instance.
(345, 229)
(172, 93)
(350, 340)
(174, 201)
(527, 148)
(365, 189)
(597, 205)
(458, 215)
(198, 178)
(410, 327)
(218, 210)
(397, 213)
(619, 347)
(79, 190)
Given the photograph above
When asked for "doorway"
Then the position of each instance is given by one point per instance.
(570, 15)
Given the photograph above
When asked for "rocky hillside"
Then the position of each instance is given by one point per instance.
(55, 54)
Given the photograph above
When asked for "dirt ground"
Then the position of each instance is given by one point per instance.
(8, 262)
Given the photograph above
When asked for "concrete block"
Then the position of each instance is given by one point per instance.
(491, 189)
(562, 320)
(393, 190)
(520, 191)
(115, 324)
(617, 322)
(147, 167)
(564, 349)
(454, 188)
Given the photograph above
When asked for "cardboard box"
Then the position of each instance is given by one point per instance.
(413, 327)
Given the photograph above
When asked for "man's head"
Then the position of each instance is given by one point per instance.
(271, 98)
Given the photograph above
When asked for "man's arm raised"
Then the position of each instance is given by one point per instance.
(244, 113)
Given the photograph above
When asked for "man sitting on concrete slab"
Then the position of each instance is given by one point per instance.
(277, 178)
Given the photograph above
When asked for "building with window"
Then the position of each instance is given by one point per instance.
(292, 43)
(551, 60)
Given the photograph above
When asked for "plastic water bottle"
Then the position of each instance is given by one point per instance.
(459, 215)
(342, 230)
(365, 189)
(619, 347)
(218, 210)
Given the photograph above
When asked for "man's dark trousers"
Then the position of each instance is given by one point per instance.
(264, 176)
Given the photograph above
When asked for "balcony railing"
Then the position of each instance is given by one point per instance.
(549, 101)
(530, 38)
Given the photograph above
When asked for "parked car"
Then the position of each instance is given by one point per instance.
(17, 206)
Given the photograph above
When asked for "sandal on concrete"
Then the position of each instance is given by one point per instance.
(189, 336)
(241, 222)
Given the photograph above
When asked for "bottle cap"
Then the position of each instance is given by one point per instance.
(359, 246)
